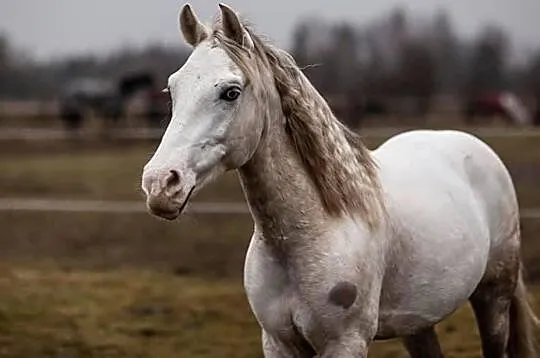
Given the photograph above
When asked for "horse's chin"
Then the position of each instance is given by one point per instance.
(175, 212)
(168, 215)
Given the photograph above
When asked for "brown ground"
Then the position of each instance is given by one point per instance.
(128, 285)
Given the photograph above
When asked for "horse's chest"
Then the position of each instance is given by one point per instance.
(301, 300)
(277, 305)
(268, 287)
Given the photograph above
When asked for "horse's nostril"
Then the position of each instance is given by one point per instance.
(173, 179)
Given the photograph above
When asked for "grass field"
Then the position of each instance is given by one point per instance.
(113, 171)
(48, 312)
(128, 285)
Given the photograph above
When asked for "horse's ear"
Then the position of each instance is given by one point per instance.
(233, 28)
(193, 30)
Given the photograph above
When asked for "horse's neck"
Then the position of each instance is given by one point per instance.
(281, 195)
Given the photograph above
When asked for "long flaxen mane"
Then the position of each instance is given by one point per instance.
(335, 158)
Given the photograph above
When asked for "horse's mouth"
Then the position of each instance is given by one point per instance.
(184, 204)
(173, 213)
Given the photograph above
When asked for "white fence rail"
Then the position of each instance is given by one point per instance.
(127, 207)
(105, 206)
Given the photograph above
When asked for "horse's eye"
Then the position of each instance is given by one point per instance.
(230, 94)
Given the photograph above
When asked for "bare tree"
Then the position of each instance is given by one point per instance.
(488, 64)
(5, 62)
(418, 75)
(396, 58)
(446, 53)
(310, 43)
(300, 44)
(344, 72)
(533, 75)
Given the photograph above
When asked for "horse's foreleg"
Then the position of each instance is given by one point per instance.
(423, 344)
(276, 348)
(348, 346)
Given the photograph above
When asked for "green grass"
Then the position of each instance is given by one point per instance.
(211, 246)
(113, 172)
(47, 312)
(206, 246)
(129, 285)
(98, 285)
(106, 175)
(91, 175)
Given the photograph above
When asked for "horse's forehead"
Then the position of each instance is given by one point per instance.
(207, 62)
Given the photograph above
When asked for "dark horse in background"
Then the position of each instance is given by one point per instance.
(109, 100)
(505, 105)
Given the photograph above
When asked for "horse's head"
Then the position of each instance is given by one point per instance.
(215, 124)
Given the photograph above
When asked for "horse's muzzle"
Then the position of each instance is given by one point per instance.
(164, 195)
(162, 207)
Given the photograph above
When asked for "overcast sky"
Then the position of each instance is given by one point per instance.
(53, 28)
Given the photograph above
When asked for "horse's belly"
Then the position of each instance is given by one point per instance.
(428, 290)
(407, 320)
(423, 309)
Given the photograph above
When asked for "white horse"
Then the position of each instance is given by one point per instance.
(349, 245)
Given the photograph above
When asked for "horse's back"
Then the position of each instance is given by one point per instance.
(450, 202)
(446, 154)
